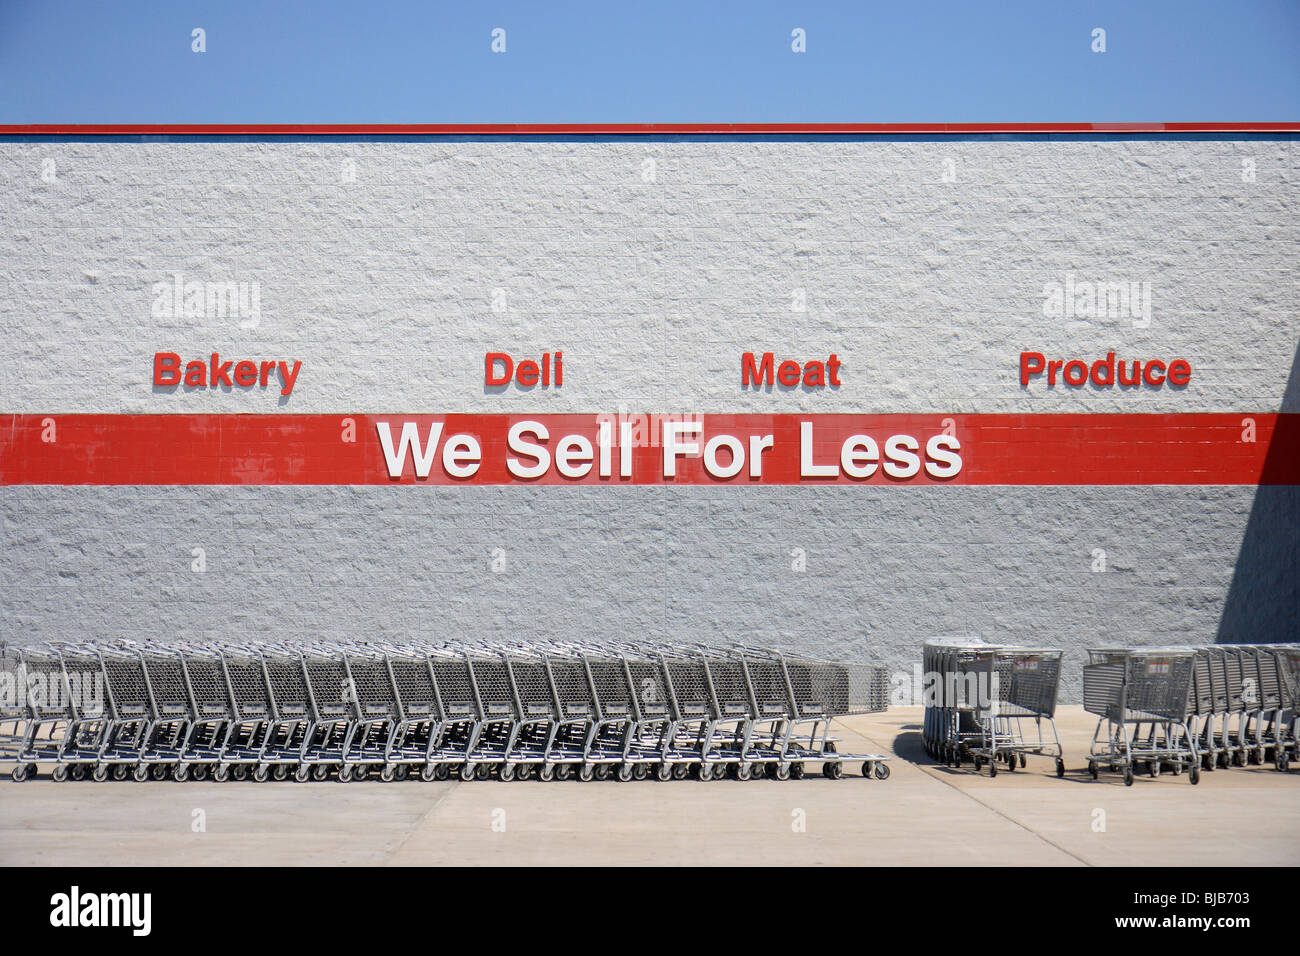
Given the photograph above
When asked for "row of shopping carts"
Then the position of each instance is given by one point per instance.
(432, 710)
(990, 704)
(1192, 708)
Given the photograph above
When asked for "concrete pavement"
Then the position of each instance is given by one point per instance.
(924, 814)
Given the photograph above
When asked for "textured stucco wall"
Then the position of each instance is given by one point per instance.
(382, 284)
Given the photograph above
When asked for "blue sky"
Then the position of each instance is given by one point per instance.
(75, 61)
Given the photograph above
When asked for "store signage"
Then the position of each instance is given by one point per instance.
(1104, 372)
(800, 448)
(169, 371)
(789, 372)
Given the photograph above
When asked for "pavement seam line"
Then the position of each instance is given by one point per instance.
(965, 793)
(419, 824)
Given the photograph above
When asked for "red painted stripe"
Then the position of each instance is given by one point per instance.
(620, 129)
(1043, 449)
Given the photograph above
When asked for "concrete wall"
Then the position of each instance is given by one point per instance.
(377, 263)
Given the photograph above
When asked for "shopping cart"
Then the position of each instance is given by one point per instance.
(1143, 699)
(504, 709)
(1287, 719)
(1020, 687)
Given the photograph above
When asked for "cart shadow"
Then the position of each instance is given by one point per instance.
(909, 746)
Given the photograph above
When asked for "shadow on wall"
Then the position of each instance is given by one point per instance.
(1263, 603)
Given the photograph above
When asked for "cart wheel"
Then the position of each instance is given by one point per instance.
(978, 763)
(302, 774)
(19, 773)
(200, 772)
(60, 773)
(829, 747)
(781, 771)
(1282, 761)
(441, 771)
(1060, 767)
(833, 770)
(681, 771)
(388, 774)
(79, 771)
(140, 774)
(320, 772)
(484, 771)
(587, 773)
(507, 772)
(625, 772)
(1092, 769)
(182, 772)
(1024, 761)
(428, 772)
(564, 771)
(743, 771)
(346, 774)
(466, 771)
(880, 771)
(664, 771)
(704, 772)
(402, 771)
(99, 774)
(993, 769)
(603, 770)
(1011, 763)
(1153, 768)
(240, 772)
(546, 773)
(1128, 776)
(797, 770)
(1193, 775)
(641, 771)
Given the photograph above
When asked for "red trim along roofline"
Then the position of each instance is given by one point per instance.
(620, 129)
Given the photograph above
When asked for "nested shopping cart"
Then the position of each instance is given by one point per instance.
(1287, 719)
(213, 713)
(991, 704)
(505, 709)
(1143, 700)
(1016, 717)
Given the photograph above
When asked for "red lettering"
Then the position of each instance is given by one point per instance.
(833, 367)
(788, 373)
(1052, 368)
(246, 374)
(1155, 365)
(527, 374)
(1103, 370)
(1137, 377)
(1180, 372)
(1031, 364)
(814, 374)
(1080, 373)
(267, 369)
(751, 374)
(489, 360)
(220, 373)
(166, 369)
